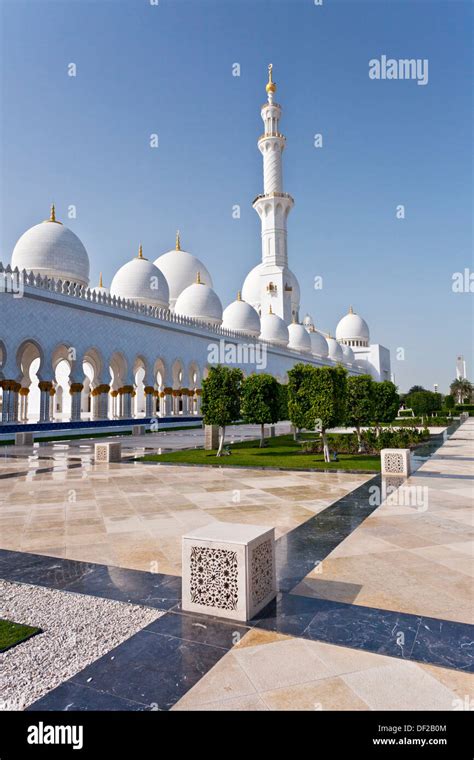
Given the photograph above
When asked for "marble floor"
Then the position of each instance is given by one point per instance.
(415, 552)
(375, 603)
(54, 500)
(273, 671)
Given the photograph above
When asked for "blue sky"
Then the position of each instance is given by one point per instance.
(167, 69)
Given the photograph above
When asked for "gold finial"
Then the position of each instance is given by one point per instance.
(351, 310)
(52, 215)
(178, 241)
(100, 281)
(198, 278)
(270, 309)
(271, 86)
(140, 251)
(293, 319)
(239, 296)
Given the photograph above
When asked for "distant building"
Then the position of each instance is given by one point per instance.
(461, 368)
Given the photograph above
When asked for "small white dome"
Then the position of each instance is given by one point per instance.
(180, 267)
(199, 301)
(241, 317)
(100, 289)
(319, 345)
(252, 288)
(52, 250)
(299, 339)
(335, 350)
(273, 329)
(140, 280)
(347, 353)
(353, 328)
(308, 320)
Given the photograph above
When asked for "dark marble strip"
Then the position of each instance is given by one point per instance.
(78, 425)
(300, 550)
(108, 582)
(149, 671)
(421, 639)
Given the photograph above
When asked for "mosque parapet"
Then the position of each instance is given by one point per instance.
(13, 281)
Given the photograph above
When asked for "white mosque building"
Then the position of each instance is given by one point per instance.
(69, 351)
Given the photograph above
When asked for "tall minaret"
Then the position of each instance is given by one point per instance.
(273, 208)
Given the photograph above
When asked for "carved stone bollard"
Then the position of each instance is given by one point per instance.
(229, 570)
(395, 462)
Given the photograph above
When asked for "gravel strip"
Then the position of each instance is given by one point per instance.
(77, 630)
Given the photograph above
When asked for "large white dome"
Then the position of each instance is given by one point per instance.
(353, 328)
(273, 329)
(335, 350)
(52, 250)
(199, 301)
(347, 353)
(180, 267)
(251, 289)
(241, 317)
(299, 339)
(140, 280)
(319, 345)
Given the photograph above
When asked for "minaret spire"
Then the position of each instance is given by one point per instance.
(273, 207)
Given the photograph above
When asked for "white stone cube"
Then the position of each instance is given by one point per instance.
(23, 439)
(395, 462)
(138, 429)
(228, 570)
(108, 452)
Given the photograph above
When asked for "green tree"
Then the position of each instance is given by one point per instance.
(360, 403)
(415, 389)
(425, 403)
(221, 396)
(283, 397)
(449, 402)
(386, 403)
(299, 392)
(261, 401)
(328, 400)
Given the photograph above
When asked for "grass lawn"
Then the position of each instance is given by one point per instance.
(282, 451)
(12, 634)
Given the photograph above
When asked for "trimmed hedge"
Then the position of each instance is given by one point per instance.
(417, 421)
(346, 443)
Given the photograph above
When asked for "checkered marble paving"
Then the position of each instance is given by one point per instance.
(59, 503)
(272, 671)
(415, 552)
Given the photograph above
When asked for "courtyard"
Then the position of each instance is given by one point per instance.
(374, 605)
